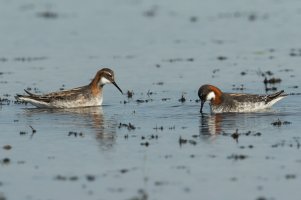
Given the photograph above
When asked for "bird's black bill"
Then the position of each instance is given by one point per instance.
(202, 104)
(117, 87)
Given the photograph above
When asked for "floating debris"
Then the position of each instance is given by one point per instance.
(290, 176)
(154, 137)
(185, 141)
(62, 87)
(182, 141)
(90, 177)
(5, 161)
(286, 70)
(193, 19)
(280, 123)
(32, 129)
(159, 83)
(144, 144)
(17, 102)
(7, 147)
(249, 133)
(166, 99)
(221, 58)
(73, 178)
(150, 137)
(235, 135)
(47, 15)
(4, 101)
(270, 89)
(237, 157)
(75, 134)
(29, 59)
(272, 81)
(129, 126)
(294, 93)
(250, 147)
(23, 133)
(264, 74)
(257, 134)
(158, 128)
(243, 73)
(241, 87)
(3, 60)
(149, 93)
(295, 52)
(143, 101)
(215, 70)
(152, 12)
(60, 178)
(123, 171)
(140, 101)
(261, 198)
(130, 94)
(193, 142)
(295, 143)
(142, 195)
(252, 17)
(269, 73)
(171, 60)
(182, 99)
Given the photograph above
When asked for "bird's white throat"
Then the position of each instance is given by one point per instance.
(104, 80)
(210, 96)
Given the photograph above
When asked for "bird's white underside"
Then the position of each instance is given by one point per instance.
(64, 104)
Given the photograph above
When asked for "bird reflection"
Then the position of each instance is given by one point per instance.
(210, 125)
(81, 119)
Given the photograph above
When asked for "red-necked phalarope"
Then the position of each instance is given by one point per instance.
(88, 95)
(236, 102)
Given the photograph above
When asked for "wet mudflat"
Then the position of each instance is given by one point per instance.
(150, 143)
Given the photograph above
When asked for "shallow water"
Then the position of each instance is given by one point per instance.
(160, 51)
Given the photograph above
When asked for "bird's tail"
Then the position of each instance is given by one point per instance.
(21, 97)
(276, 95)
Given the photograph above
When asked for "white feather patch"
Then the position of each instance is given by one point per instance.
(97, 101)
(103, 81)
(210, 96)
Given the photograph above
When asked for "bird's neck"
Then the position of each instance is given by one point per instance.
(218, 95)
(95, 85)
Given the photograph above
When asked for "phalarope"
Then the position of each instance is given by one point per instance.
(88, 95)
(236, 102)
